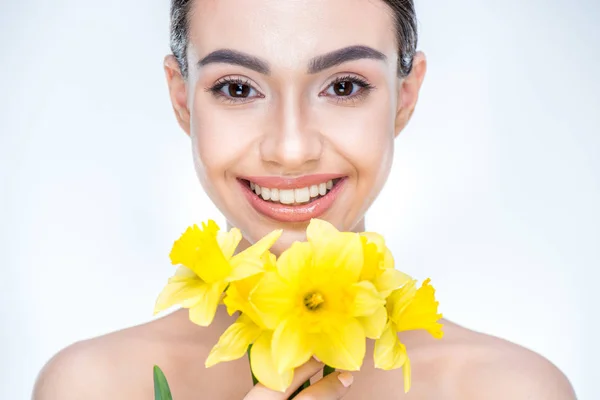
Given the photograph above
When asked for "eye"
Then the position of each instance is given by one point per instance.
(348, 88)
(343, 88)
(234, 90)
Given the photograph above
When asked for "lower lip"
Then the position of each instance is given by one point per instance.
(293, 213)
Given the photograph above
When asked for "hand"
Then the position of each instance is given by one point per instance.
(332, 387)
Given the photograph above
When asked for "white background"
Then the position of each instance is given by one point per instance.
(494, 194)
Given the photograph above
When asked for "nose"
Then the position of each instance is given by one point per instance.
(291, 142)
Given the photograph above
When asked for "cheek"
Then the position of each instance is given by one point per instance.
(220, 137)
(365, 137)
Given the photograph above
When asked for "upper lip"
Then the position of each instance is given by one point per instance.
(279, 182)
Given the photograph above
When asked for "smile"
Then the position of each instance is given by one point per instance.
(292, 200)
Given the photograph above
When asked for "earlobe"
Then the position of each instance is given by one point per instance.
(408, 92)
(177, 92)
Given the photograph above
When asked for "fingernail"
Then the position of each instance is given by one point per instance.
(346, 378)
(315, 357)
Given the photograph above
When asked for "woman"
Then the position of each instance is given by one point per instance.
(292, 108)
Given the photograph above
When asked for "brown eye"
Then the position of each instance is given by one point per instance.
(238, 90)
(343, 88)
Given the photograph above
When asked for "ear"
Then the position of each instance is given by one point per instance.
(177, 92)
(408, 92)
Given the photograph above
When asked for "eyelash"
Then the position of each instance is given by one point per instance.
(364, 89)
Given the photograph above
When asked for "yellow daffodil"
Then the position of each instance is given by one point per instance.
(249, 329)
(234, 342)
(379, 265)
(315, 303)
(408, 308)
(207, 264)
(378, 268)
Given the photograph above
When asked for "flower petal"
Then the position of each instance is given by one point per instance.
(389, 352)
(252, 260)
(238, 293)
(374, 324)
(237, 299)
(199, 250)
(399, 299)
(294, 261)
(421, 312)
(273, 298)
(341, 344)
(406, 371)
(228, 241)
(388, 259)
(319, 230)
(234, 342)
(264, 244)
(389, 280)
(183, 274)
(290, 345)
(203, 312)
(244, 266)
(372, 260)
(366, 299)
(263, 365)
(376, 239)
(177, 292)
(337, 253)
(183, 251)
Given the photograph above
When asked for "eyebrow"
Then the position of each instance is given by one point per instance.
(315, 65)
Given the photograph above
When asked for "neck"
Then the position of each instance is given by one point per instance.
(244, 243)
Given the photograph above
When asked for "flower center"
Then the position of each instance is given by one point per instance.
(313, 301)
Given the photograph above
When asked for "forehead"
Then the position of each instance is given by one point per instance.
(287, 33)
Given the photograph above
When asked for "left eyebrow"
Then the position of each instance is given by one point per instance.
(343, 55)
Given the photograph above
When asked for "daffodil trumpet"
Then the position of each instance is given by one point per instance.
(323, 297)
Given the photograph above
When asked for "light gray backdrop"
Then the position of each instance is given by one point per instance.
(495, 191)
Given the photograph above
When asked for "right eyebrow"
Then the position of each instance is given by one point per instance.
(235, 57)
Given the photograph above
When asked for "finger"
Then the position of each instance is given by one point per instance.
(332, 387)
(301, 375)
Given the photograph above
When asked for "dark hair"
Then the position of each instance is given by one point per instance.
(404, 16)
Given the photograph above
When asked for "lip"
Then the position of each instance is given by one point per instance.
(298, 213)
(277, 182)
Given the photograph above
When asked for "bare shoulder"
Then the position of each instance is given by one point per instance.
(120, 365)
(73, 373)
(97, 368)
(498, 369)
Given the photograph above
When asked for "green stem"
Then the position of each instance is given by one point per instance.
(254, 380)
(327, 370)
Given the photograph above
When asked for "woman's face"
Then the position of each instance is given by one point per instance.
(298, 98)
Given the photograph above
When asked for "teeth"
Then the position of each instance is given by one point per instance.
(322, 189)
(314, 191)
(286, 196)
(266, 193)
(291, 196)
(302, 195)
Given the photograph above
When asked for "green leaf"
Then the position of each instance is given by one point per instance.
(254, 380)
(328, 370)
(300, 389)
(161, 386)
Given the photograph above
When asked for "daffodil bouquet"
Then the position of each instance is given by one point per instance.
(322, 298)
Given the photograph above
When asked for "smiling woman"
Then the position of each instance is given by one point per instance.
(292, 109)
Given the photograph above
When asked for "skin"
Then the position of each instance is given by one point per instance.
(295, 126)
